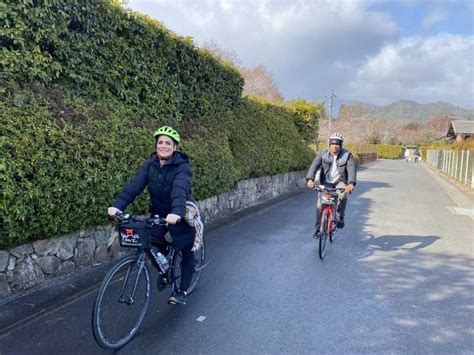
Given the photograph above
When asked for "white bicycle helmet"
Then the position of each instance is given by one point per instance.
(336, 138)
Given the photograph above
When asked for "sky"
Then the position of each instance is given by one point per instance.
(374, 51)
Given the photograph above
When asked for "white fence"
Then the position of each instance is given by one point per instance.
(457, 163)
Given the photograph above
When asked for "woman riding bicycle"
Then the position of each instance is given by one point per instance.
(338, 170)
(167, 173)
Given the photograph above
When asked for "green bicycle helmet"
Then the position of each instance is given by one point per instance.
(167, 131)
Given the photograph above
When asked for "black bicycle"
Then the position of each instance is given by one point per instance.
(328, 197)
(123, 298)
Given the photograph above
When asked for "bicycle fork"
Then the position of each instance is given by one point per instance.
(131, 298)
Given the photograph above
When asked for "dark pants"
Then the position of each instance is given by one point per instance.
(183, 240)
(341, 206)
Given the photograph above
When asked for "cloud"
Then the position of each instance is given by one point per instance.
(313, 47)
(425, 69)
(298, 41)
(433, 17)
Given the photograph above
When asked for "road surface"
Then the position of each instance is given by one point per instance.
(397, 279)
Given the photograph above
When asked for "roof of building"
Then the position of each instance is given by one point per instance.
(461, 127)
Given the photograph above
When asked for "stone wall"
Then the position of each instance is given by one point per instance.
(30, 264)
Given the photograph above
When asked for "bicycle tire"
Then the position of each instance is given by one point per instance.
(331, 228)
(136, 279)
(199, 260)
(323, 236)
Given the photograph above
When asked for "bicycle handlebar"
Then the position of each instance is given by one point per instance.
(125, 217)
(322, 188)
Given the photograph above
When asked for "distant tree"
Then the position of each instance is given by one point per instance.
(439, 124)
(411, 126)
(227, 55)
(258, 80)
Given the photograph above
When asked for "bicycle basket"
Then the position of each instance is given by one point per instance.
(328, 198)
(134, 234)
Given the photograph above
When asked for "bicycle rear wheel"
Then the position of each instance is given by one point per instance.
(122, 302)
(199, 260)
(323, 236)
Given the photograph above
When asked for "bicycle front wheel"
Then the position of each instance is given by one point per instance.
(199, 261)
(323, 236)
(122, 301)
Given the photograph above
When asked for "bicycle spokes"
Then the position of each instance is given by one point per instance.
(121, 304)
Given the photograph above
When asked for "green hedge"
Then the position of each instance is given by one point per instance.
(389, 151)
(83, 86)
(96, 50)
(63, 162)
(306, 117)
(58, 173)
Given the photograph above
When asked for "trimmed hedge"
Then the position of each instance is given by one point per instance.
(97, 50)
(63, 162)
(85, 84)
(306, 117)
(265, 141)
(59, 173)
(389, 151)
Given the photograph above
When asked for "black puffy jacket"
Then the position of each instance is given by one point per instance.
(169, 185)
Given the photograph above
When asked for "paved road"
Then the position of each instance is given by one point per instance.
(398, 279)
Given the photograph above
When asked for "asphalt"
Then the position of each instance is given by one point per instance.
(58, 292)
(397, 279)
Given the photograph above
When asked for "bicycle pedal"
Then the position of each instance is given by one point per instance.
(162, 283)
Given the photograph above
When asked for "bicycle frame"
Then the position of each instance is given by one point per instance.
(331, 211)
(141, 261)
(170, 256)
(328, 197)
(328, 206)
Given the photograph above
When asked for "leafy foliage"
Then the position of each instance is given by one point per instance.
(306, 117)
(97, 50)
(61, 168)
(82, 86)
(389, 151)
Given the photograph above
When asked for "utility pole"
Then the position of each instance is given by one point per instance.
(331, 97)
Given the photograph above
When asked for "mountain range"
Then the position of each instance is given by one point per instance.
(404, 110)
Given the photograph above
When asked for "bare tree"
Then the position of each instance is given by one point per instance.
(439, 124)
(258, 80)
(227, 55)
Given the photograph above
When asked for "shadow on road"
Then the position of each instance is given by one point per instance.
(428, 294)
(400, 242)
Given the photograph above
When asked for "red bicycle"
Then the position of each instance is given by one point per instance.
(328, 197)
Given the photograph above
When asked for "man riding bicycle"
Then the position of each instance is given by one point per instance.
(338, 170)
(167, 173)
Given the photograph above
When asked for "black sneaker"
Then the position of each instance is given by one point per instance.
(340, 222)
(316, 234)
(177, 297)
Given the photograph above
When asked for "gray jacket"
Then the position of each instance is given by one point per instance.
(345, 165)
